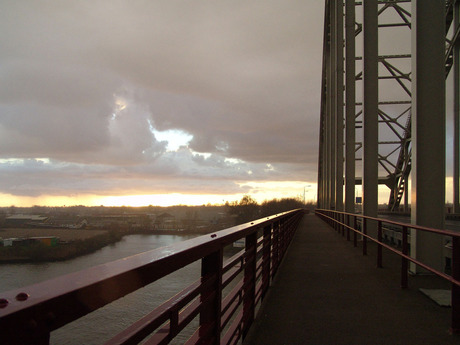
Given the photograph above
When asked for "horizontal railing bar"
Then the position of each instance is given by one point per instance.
(259, 269)
(409, 226)
(195, 338)
(235, 293)
(231, 306)
(234, 260)
(152, 265)
(202, 332)
(156, 318)
(258, 292)
(233, 329)
(166, 333)
(412, 226)
(56, 302)
(230, 312)
(189, 313)
(160, 337)
(230, 275)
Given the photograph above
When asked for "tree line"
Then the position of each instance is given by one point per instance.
(248, 209)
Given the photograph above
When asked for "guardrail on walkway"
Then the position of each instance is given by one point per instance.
(348, 222)
(28, 315)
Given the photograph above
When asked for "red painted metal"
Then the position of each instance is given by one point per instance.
(404, 261)
(211, 268)
(348, 227)
(364, 235)
(267, 243)
(249, 289)
(454, 279)
(455, 300)
(379, 247)
(275, 249)
(355, 232)
(28, 315)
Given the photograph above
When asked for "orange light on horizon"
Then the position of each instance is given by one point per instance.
(259, 191)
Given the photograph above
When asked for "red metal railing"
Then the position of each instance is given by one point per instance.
(348, 222)
(28, 315)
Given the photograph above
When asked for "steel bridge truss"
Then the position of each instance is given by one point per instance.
(347, 96)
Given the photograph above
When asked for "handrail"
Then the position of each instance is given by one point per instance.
(29, 314)
(341, 221)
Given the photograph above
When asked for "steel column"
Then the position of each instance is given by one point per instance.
(339, 103)
(428, 129)
(370, 111)
(456, 149)
(350, 106)
(332, 101)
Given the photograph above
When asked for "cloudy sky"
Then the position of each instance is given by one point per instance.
(178, 101)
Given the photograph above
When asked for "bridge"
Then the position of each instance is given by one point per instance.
(387, 68)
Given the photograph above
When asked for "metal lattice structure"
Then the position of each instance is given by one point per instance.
(383, 106)
(394, 107)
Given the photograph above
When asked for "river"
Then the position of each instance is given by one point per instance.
(100, 325)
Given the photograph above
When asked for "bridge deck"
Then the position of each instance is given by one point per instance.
(327, 292)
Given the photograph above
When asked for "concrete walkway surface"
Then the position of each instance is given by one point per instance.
(327, 292)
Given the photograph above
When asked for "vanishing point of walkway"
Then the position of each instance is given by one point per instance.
(327, 292)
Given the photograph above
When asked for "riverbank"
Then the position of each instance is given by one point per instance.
(73, 243)
(70, 248)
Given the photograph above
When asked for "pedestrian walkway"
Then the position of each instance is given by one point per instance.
(327, 292)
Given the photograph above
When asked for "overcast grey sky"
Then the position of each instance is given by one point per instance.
(91, 91)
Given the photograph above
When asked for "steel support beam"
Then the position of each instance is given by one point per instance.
(456, 76)
(323, 158)
(370, 110)
(339, 104)
(332, 103)
(350, 105)
(428, 129)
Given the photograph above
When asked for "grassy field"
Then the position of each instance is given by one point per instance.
(63, 234)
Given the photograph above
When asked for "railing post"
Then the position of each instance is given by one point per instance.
(210, 315)
(249, 295)
(342, 220)
(348, 227)
(379, 246)
(336, 220)
(275, 251)
(364, 230)
(283, 228)
(355, 234)
(404, 261)
(455, 326)
(280, 240)
(266, 250)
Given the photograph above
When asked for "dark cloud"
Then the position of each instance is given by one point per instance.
(86, 84)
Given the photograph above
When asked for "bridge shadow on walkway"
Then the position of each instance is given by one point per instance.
(327, 292)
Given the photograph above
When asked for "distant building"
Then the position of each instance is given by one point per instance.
(165, 221)
(50, 241)
(128, 221)
(67, 222)
(23, 220)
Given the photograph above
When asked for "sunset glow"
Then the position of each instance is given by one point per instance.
(260, 191)
(211, 109)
